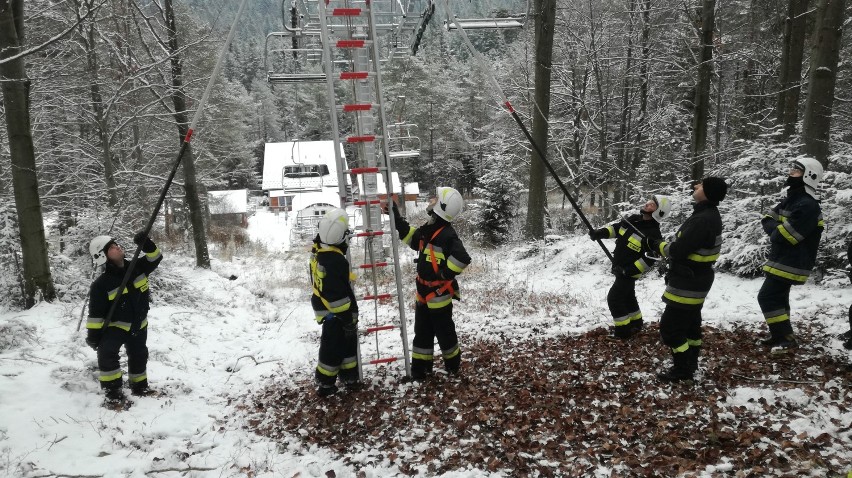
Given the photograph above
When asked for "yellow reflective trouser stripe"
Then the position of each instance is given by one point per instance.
(778, 318)
(620, 321)
(421, 353)
(682, 348)
(111, 375)
(683, 300)
(452, 353)
(785, 274)
(138, 377)
(349, 363)
(407, 238)
(694, 343)
(327, 370)
(783, 230)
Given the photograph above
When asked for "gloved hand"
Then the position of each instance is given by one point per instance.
(598, 234)
(651, 245)
(350, 330)
(142, 239)
(93, 338)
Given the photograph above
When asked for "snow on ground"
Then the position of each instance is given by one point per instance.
(212, 339)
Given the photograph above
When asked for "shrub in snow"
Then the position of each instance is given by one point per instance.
(498, 190)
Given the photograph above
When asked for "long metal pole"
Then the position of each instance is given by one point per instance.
(183, 147)
(483, 64)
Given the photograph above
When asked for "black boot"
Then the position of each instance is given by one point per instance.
(692, 354)
(636, 326)
(679, 372)
(785, 345)
(326, 390)
(620, 332)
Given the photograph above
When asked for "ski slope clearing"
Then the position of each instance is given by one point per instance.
(544, 392)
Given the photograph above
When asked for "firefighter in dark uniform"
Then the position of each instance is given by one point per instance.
(335, 306)
(128, 325)
(692, 254)
(441, 257)
(794, 227)
(629, 264)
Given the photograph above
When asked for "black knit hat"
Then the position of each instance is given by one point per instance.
(714, 188)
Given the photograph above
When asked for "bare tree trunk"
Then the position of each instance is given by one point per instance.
(626, 117)
(16, 101)
(541, 112)
(702, 89)
(196, 211)
(87, 35)
(603, 102)
(790, 71)
(751, 95)
(645, 79)
(825, 54)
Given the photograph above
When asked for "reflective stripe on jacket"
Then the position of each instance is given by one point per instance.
(692, 255)
(134, 301)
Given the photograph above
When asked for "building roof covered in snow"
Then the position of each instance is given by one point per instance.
(228, 202)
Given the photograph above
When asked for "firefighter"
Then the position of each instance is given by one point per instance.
(629, 264)
(128, 325)
(794, 227)
(335, 306)
(441, 256)
(692, 253)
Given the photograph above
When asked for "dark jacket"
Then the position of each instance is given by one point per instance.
(436, 280)
(132, 311)
(693, 252)
(794, 227)
(330, 277)
(628, 245)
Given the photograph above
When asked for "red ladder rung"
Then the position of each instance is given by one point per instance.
(361, 139)
(377, 297)
(370, 233)
(358, 107)
(379, 328)
(346, 12)
(370, 266)
(363, 170)
(364, 203)
(383, 360)
(354, 75)
(350, 43)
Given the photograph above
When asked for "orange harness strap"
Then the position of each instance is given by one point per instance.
(445, 285)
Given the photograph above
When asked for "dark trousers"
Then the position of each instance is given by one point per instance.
(429, 324)
(680, 328)
(774, 300)
(137, 357)
(338, 352)
(622, 302)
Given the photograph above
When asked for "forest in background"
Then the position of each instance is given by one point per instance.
(106, 127)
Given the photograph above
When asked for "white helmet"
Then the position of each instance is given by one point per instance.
(664, 205)
(334, 227)
(813, 173)
(450, 203)
(98, 247)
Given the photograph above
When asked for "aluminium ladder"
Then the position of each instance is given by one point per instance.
(348, 30)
